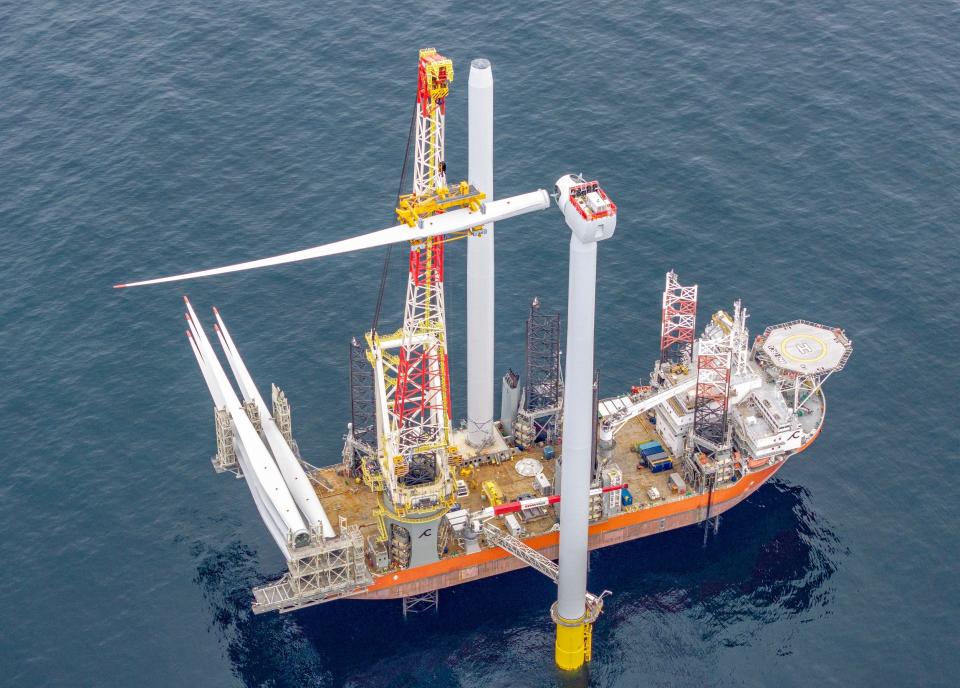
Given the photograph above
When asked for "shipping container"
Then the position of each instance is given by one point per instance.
(513, 525)
(658, 465)
(542, 484)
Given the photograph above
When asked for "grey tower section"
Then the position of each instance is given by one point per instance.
(543, 392)
(543, 359)
(510, 393)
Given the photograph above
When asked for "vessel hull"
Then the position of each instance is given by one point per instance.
(615, 530)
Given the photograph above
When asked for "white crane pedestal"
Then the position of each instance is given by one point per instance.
(592, 217)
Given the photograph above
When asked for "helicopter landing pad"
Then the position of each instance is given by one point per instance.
(806, 348)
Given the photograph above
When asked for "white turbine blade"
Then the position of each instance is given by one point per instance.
(211, 385)
(293, 474)
(248, 392)
(257, 463)
(445, 223)
(206, 350)
(247, 386)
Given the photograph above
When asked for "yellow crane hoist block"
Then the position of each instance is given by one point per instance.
(723, 320)
(412, 208)
(492, 492)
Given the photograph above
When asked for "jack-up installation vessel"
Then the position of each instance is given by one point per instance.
(416, 505)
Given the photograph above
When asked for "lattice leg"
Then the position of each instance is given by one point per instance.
(414, 604)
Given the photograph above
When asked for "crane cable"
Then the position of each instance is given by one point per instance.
(386, 259)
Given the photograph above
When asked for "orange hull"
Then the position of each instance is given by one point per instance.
(622, 528)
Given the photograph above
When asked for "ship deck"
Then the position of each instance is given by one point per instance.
(356, 503)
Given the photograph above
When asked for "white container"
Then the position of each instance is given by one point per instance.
(542, 484)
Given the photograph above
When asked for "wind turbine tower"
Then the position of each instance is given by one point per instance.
(592, 217)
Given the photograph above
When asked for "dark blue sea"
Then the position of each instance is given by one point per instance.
(802, 156)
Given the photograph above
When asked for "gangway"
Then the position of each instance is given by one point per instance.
(521, 551)
(531, 557)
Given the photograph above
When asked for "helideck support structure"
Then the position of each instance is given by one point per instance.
(800, 355)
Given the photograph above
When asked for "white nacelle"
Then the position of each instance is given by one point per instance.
(589, 213)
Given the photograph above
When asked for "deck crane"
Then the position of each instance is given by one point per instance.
(412, 386)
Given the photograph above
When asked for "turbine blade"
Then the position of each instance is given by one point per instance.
(446, 223)
(247, 386)
(211, 385)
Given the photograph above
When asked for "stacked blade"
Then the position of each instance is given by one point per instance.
(280, 488)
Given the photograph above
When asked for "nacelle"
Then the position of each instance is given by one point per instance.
(589, 212)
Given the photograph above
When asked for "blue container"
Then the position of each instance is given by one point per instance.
(653, 451)
(548, 452)
(659, 456)
(661, 466)
(626, 499)
(652, 443)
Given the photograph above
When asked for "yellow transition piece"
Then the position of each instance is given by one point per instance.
(572, 648)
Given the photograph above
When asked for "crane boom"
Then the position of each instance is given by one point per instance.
(615, 413)
(412, 385)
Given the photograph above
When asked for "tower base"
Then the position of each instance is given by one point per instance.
(573, 644)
